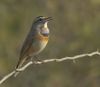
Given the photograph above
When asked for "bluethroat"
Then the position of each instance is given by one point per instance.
(36, 40)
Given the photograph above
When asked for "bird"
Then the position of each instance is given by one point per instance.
(35, 41)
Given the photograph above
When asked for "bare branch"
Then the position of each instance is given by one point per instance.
(46, 61)
(6, 77)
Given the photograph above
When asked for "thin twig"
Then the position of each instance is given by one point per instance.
(6, 77)
(46, 61)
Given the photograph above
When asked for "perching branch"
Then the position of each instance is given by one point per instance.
(46, 61)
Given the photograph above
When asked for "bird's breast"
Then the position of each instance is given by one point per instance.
(39, 44)
(42, 41)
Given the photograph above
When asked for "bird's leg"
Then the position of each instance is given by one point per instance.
(35, 58)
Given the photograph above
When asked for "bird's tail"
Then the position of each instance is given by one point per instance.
(19, 65)
(16, 73)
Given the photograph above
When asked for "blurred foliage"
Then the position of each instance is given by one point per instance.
(74, 30)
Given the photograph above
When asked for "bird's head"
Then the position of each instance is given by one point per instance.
(41, 23)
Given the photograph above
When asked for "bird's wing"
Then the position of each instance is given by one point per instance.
(27, 44)
(24, 51)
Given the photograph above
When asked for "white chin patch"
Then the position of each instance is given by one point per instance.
(45, 25)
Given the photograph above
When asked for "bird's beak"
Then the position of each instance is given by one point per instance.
(48, 18)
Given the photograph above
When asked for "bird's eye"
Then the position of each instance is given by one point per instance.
(40, 19)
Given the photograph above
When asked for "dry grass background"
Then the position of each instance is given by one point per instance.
(74, 30)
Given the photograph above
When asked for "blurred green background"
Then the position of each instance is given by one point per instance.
(75, 30)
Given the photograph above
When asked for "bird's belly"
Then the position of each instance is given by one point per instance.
(37, 47)
(41, 46)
